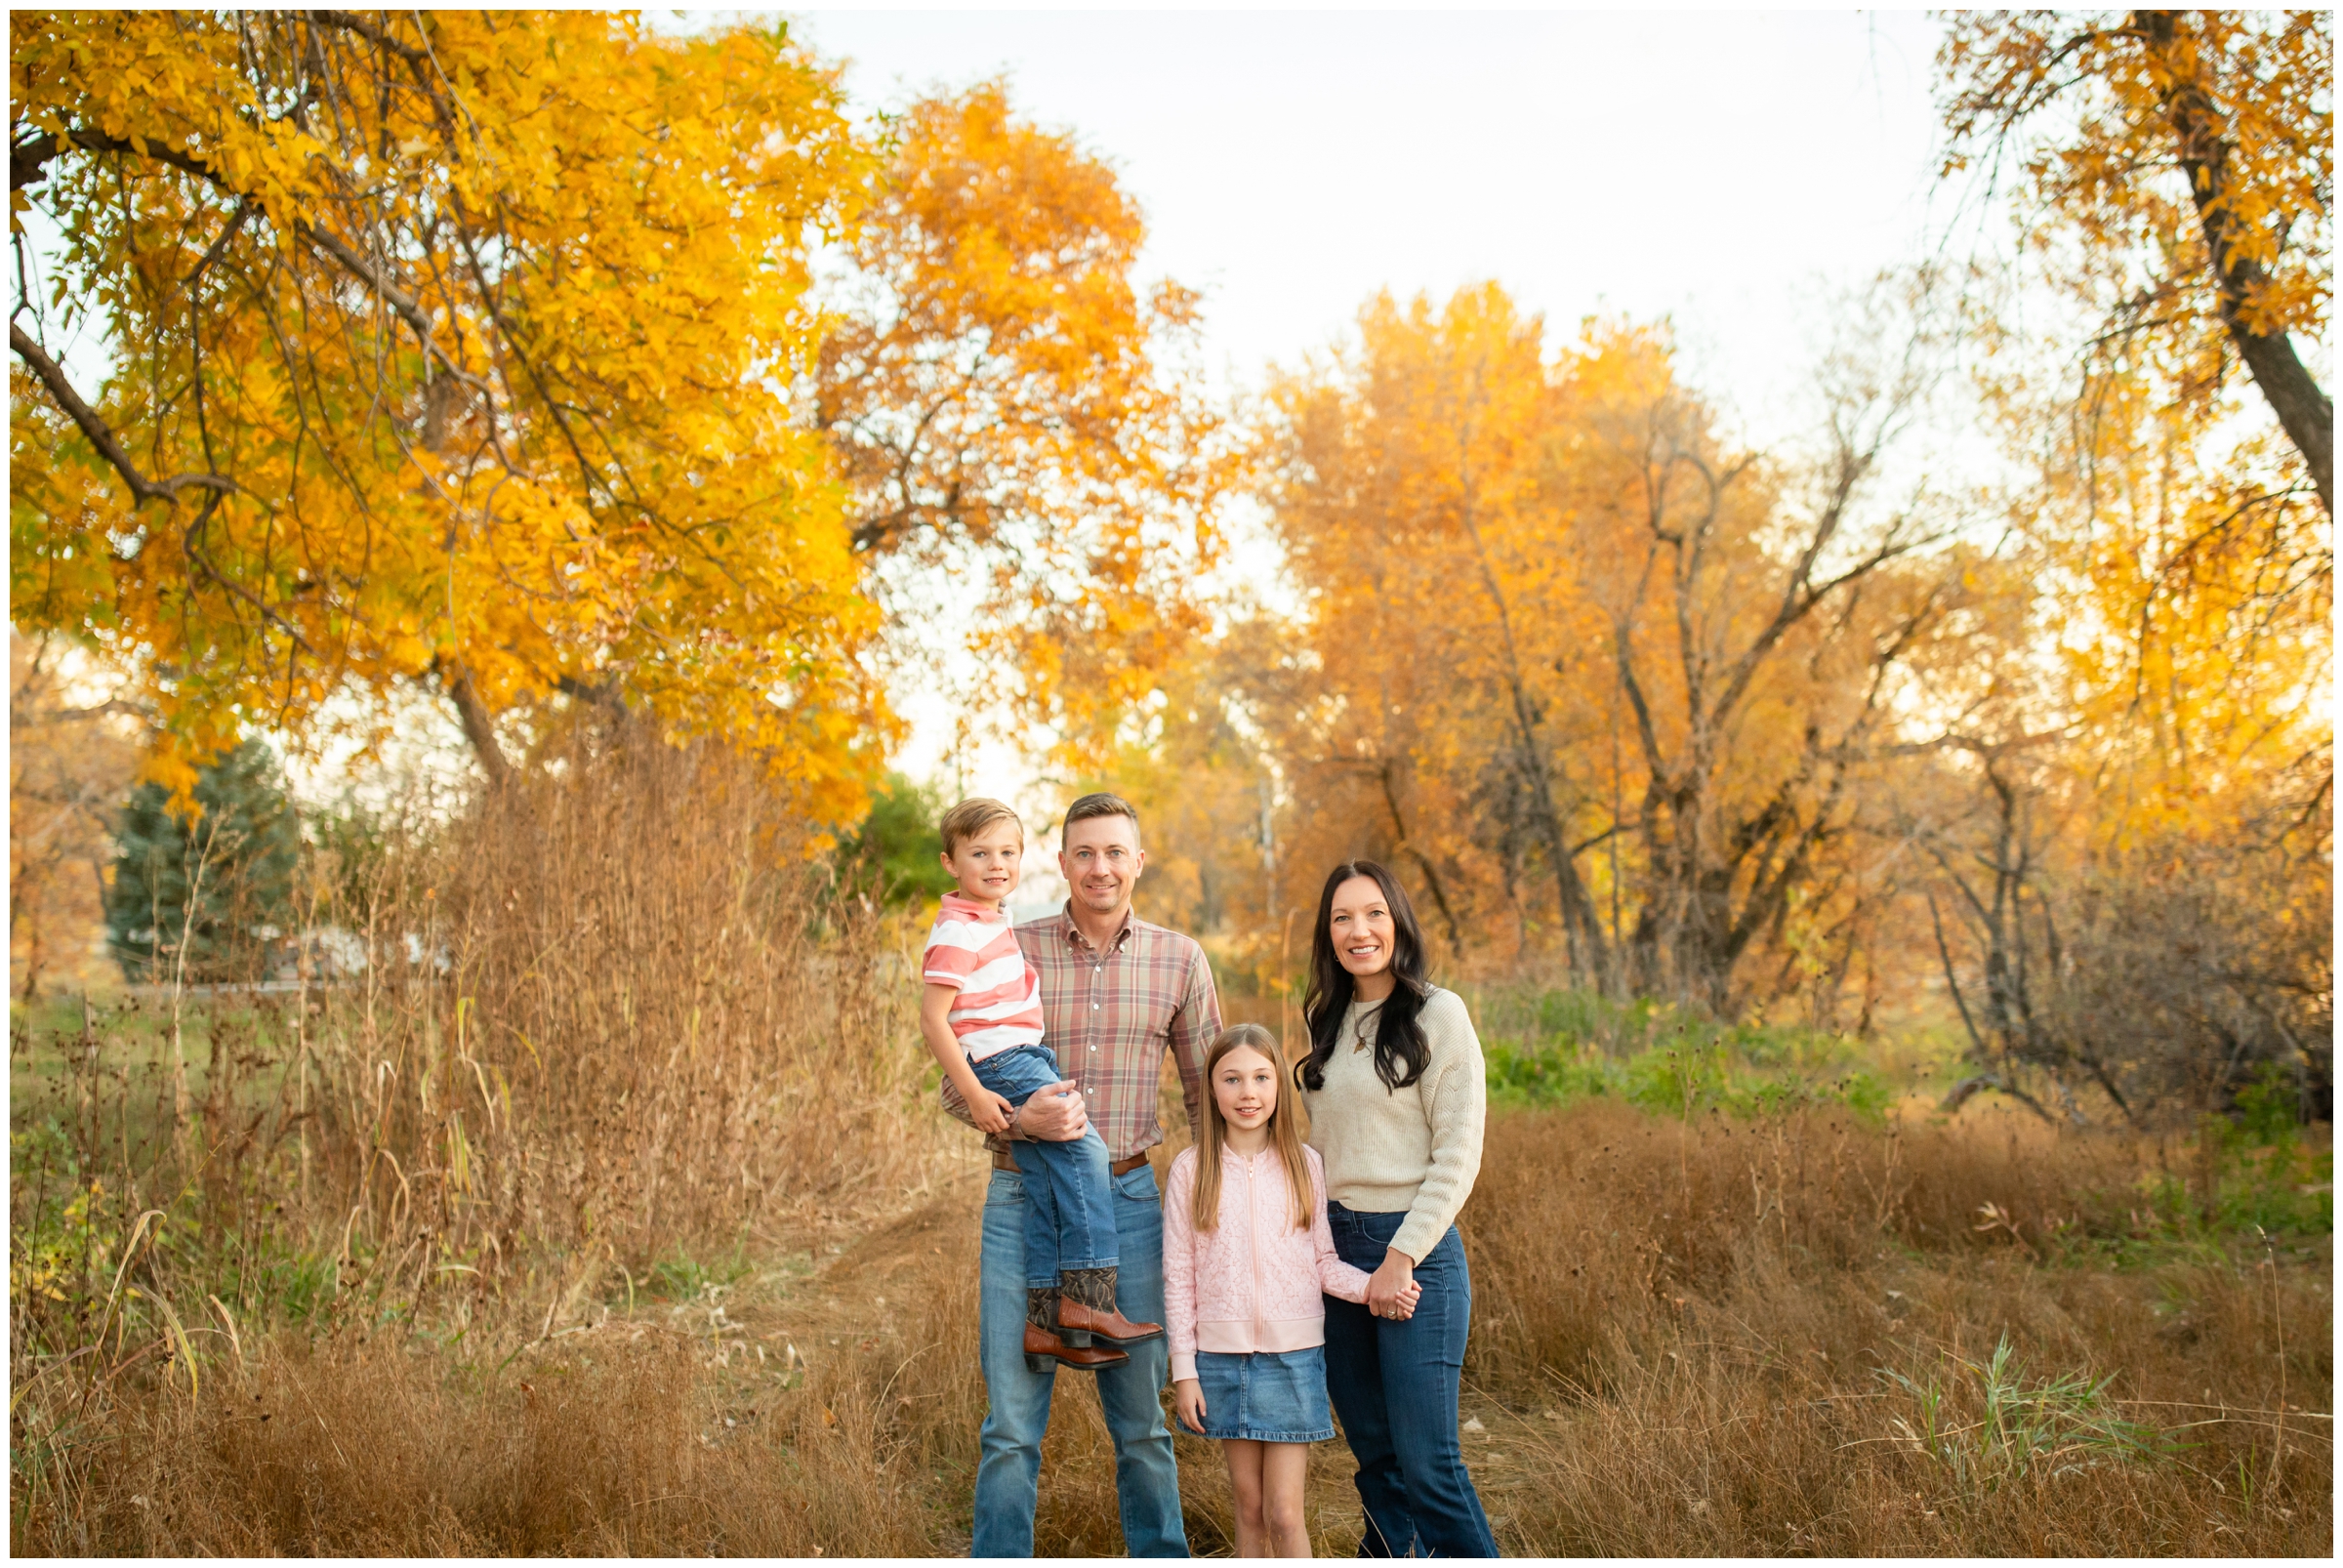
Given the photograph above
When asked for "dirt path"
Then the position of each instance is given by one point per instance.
(888, 1299)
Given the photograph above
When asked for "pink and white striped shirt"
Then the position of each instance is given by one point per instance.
(974, 951)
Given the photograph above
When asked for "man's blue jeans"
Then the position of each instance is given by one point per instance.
(1069, 1190)
(1395, 1384)
(1008, 1472)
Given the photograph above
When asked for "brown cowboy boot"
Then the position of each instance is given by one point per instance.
(1085, 1310)
(1042, 1348)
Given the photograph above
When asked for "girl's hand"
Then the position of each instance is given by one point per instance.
(1388, 1283)
(1187, 1399)
(991, 1113)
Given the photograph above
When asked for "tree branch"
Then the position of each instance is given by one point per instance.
(100, 434)
(27, 160)
(2305, 412)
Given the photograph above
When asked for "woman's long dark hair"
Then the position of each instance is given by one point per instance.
(1401, 1053)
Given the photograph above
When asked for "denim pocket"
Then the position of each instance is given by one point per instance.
(1006, 1191)
(1137, 1184)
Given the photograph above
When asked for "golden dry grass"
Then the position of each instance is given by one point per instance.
(1649, 1376)
(630, 1230)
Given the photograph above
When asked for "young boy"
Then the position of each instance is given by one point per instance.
(982, 1016)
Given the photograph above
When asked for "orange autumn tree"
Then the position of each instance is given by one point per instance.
(1613, 691)
(445, 349)
(71, 758)
(1015, 415)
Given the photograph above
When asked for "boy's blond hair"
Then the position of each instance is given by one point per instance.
(971, 817)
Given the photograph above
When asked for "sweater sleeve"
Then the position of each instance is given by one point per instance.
(1336, 1278)
(1456, 1092)
(1180, 1264)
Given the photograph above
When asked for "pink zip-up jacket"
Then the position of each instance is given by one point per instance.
(1251, 1282)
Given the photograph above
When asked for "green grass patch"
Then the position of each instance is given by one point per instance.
(1556, 1048)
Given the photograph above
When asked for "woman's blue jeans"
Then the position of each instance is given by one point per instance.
(1394, 1385)
(1008, 1465)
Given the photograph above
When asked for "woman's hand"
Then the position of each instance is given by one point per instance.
(1187, 1400)
(1391, 1290)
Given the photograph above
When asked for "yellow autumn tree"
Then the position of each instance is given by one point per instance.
(452, 349)
(1613, 691)
(71, 758)
(483, 352)
(2176, 172)
(2129, 884)
(1016, 416)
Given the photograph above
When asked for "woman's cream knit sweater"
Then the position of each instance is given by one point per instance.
(1415, 1149)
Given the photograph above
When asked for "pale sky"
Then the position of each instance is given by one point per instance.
(1726, 170)
(1721, 169)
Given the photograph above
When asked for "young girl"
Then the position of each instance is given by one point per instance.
(1248, 1260)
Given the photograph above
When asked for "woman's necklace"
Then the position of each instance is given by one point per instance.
(1360, 1042)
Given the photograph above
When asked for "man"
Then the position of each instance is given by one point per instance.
(1117, 992)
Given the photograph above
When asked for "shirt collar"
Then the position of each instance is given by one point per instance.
(960, 907)
(1073, 933)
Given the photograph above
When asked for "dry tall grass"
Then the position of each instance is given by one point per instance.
(614, 1018)
(640, 1022)
(434, 1264)
(1646, 1377)
(1726, 1340)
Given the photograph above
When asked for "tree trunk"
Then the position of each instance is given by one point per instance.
(2303, 411)
(479, 728)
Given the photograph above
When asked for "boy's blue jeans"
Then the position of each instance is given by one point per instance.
(1069, 1191)
(1130, 1396)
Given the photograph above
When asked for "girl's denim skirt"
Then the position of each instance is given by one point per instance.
(1270, 1396)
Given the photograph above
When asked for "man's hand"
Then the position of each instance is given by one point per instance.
(1187, 1402)
(1054, 1114)
(990, 1112)
(1391, 1290)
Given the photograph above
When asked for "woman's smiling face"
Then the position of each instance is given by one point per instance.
(1360, 922)
(1245, 1088)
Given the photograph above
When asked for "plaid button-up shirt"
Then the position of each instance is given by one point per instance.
(1111, 1013)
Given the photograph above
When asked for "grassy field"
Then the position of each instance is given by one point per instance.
(1815, 1328)
(627, 1222)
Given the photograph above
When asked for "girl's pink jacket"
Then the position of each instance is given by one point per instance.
(1252, 1282)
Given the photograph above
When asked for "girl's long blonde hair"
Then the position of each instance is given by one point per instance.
(1284, 1136)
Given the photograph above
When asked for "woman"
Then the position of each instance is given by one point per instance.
(1394, 1086)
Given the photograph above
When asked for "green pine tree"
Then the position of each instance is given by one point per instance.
(222, 882)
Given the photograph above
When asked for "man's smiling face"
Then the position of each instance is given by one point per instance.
(1102, 861)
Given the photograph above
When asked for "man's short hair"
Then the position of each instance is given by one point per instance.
(972, 816)
(1100, 805)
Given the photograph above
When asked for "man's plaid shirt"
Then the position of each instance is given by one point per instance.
(1111, 1014)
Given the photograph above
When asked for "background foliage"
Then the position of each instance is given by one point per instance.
(1892, 872)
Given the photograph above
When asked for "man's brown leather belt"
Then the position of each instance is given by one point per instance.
(1005, 1160)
